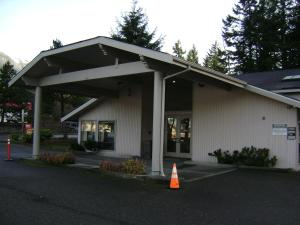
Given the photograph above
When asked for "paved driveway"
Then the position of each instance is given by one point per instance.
(57, 195)
(17, 151)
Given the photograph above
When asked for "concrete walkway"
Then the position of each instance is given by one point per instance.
(187, 170)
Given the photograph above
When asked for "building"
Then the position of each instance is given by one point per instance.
(284, 82)
(145, 100)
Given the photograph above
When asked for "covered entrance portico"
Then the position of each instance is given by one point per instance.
(111, 71)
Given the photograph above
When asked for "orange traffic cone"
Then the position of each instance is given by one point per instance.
(174, 183)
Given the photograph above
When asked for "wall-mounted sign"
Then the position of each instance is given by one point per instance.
(279, 129)
(291, 133)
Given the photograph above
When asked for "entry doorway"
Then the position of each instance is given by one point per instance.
(177, 141)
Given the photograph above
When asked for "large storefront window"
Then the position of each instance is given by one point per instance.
(88, 130)
(106, 134)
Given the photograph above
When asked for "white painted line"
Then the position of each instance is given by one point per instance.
(209, 175)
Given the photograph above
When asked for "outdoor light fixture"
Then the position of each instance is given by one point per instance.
(173, 81)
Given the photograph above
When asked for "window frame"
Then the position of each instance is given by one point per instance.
(115, 133)
(81, 130)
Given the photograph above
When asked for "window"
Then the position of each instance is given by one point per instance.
(88, 130)
(106, 135)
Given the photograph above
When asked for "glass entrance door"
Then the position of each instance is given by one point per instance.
(178, 136)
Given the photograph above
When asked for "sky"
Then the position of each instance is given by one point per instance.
(29, 26)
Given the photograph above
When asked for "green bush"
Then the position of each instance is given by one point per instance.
(27, 138)
(76, 147)
(46, 134)
(57, 159)
(90, 145)
(16, 137)
(249, 156)
(133, 166)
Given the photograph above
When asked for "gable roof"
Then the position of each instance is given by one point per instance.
(273, 80)
(140, 51)
(160, 57)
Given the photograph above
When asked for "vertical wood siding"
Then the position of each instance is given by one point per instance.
(233, 119)
(126, 112)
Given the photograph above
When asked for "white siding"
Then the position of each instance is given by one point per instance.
(233, 119)
(126, 112)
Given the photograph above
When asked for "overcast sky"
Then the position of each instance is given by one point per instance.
(29, 26)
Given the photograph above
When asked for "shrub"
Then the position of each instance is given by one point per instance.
(249, 156)
(57, 159)
(130, 166)
(90, 145)
(76, 147)
(133, 166)
(46, 134)
(110, 166)
(15, 137)
(27, 138)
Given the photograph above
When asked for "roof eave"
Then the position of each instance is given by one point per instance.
(274, 96)
(209, 72)
(164, 57)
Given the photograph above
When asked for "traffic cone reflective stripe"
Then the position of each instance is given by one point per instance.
(174, 183)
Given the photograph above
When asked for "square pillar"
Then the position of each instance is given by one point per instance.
(36, 126)
(157, 119)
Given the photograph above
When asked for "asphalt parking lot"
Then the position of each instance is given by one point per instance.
(36, 194)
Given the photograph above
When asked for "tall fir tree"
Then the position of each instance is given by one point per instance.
(263, 35)
(133, 29)
(56, 44)
(239, 36)
(192, 55)
(178, 50)
(216, 59)
(12, 99)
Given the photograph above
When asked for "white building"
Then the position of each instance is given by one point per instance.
(143, 98)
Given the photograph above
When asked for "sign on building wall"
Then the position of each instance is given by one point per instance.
(279, 129)
(291, 133)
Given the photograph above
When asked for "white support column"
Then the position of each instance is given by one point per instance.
(79, 132)
(37, 117)
(157, 118)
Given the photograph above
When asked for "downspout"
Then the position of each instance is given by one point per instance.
(162, 124)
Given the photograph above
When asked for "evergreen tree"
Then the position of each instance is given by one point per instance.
(216, 59)
(178, 50)
(12, 99)
(56, 44)
(263, 35)
(192, 55)
(239, 36)
(133, 29)
(289, 11)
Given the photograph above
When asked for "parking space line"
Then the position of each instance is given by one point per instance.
(209, 175)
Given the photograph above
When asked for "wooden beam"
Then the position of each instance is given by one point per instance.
(85, 90)
(96, 73)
